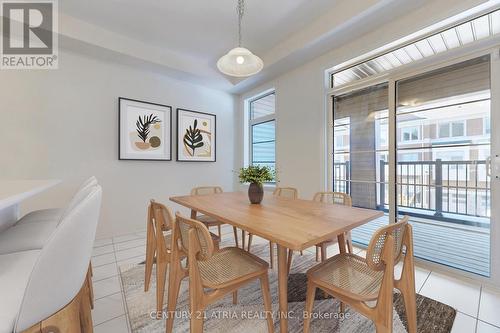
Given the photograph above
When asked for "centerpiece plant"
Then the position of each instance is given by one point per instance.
(256, 175)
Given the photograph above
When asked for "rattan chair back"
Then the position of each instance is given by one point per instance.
(286, 192)
(161, 219)
(339, 198)
(161, 214)
(378, 240)
(205, 190)
(205, 245)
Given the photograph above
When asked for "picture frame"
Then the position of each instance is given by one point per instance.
(144, 130)
(196, 136)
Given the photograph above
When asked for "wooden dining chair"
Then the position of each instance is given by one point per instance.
(284, 192)
(220, 271)
(355, 280)
(159, 248)
(334, 198)
(208, 220)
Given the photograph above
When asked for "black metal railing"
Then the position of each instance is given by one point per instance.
(454, 187)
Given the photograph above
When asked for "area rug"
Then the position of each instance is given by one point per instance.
(247, 315)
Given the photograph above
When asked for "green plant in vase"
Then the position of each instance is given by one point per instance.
(256, 176)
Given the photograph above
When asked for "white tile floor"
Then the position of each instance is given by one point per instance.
(477, 306)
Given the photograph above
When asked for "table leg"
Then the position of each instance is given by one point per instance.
(283, 287)
(193, 214)
(342, 243)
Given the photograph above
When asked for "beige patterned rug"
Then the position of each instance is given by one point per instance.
(224, 317)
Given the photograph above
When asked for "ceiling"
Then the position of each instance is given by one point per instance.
(184, 38)
(204, 29)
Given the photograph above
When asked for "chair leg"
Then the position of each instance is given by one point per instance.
(311, 292)
(174, 286)
(243, 239)
(250, 238)
(349, 242)
(235, 297)
(197, 322)
(301, 252)
(411, 311)
(150, 253)
(161, 275)
(323, 252)
(289, 264)
(266, 295)
(380, 328)
(407, 287)
(271, 255)
(317, 253)
(236, 236)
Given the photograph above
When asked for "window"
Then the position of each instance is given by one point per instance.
(451, 129)
(487, 125)
(482, 27)
(410, 134)
(263, 131)
(341, 132)
(359, 122)
(382, 133)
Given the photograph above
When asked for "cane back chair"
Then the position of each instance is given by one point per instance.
(208, 220)
(221, 271)
(338, 198)
(355, 280)
(159, 249)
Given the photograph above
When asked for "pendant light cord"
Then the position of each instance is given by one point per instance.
(240, 10)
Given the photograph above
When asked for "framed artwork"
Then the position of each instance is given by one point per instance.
(196, 137)
(145, 130)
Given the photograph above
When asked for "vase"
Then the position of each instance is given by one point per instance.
(255, 193)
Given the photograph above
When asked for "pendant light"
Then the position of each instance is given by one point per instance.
(240, 62)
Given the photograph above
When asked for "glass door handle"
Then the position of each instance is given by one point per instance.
(495, 166)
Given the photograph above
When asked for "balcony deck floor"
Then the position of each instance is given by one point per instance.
(465, 248)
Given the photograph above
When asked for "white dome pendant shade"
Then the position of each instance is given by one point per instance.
(240, 62)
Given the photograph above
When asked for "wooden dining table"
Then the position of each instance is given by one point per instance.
(293, 224)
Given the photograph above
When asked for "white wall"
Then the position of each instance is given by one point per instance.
(301, 110)
(63, 124)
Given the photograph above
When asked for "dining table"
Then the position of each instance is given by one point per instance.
(293, 224)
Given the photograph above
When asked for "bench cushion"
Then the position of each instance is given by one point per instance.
(14, 275)
(26, 236)
(42, 215)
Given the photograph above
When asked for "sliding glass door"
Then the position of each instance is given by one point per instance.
(420, 145)
(360, 151)
(443, 147)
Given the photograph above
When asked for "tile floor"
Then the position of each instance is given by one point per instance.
(478, 306)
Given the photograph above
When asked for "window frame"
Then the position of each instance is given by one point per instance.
(450, 129)
(487, 125)
(258, 121)
(411, 127)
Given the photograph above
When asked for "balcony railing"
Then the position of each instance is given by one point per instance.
(447, 190)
